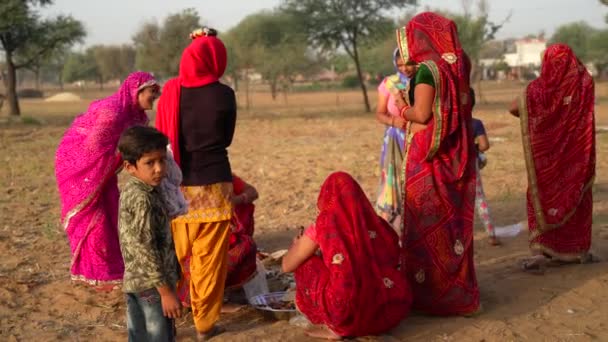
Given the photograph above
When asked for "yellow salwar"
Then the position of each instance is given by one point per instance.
(201, 239)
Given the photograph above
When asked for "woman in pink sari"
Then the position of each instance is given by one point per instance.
(85, 166)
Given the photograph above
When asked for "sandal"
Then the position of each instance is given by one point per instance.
(535, 265)
(206, 336)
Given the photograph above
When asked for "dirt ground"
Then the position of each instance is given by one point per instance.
(286, 149)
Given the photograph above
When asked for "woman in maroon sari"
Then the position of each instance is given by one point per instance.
(558, 132)
(346, 266)
(439, 194)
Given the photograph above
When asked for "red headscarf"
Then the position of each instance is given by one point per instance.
(558, 132)
(355, 288)
(203, 62)
(433, 40)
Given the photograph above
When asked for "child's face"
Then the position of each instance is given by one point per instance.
(151, 168)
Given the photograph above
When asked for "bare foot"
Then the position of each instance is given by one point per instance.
(231, 307)
(206, 336)
(493, 241)
(322, 331)
(106, 288)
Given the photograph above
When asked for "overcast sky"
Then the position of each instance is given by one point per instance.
(115, 21)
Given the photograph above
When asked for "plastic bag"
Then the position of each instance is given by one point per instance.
(258, 285)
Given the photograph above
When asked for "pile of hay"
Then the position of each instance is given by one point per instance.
(63, 97)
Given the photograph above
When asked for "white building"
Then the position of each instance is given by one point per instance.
(527, 53)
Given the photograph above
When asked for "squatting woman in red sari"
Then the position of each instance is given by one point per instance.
(346, 266)
(558, 132)
(439, 192)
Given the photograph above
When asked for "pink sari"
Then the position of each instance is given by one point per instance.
(85, 166)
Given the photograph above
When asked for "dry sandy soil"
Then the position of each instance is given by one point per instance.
(286, 151)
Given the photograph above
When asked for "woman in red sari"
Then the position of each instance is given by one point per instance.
(346, 266)
(242, 249)
(558, 132)
(439, 197)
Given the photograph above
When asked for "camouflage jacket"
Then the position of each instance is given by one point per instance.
(145, 239)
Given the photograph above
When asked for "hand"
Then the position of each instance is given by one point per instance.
(171, 306)
(236, 199)
(399, 122)
(400, 101)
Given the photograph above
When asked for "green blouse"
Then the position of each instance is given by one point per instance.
(424, 76)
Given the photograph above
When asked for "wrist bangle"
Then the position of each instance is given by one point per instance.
(402, 113)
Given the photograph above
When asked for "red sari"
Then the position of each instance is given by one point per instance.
(558, 131)
(439, 197)
(242, 250)
(355, 287)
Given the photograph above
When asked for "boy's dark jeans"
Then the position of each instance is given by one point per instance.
(145, 319)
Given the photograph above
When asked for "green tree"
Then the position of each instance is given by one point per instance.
(577, 35)
(334, 24)
(274, 42)
(159, 47)
(148, 48)
(598, 50)
(113, 61)
(81, 67)
(26, 38)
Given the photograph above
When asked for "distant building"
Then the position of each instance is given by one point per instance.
(527, 53)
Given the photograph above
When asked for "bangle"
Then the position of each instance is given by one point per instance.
(402, 113)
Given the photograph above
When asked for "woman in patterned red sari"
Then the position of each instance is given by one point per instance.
(242, 249)
(558, 132)
(345, 266)
(437, 240)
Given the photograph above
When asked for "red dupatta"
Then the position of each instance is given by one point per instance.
(558, 131)
(242, 250)
(203, 62)
(355, 288)
(440, 176)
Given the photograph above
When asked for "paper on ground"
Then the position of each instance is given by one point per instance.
(508, 231)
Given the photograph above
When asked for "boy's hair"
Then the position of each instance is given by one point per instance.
(138, 140)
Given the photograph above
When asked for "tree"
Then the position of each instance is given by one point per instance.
(274, 44)
(576, 35)
(113, 61)
(333, 24)
(159, 47)
(80, 67)
(26, 38)
(598, 50)
(148, 48)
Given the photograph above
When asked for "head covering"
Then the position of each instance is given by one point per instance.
(558, 131)
(85, 168)
(203, 62)
(432, 40)
(358, 268)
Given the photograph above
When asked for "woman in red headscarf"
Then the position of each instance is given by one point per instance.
(558, 132)
(345, 266)
(439, 193)
(198, 114)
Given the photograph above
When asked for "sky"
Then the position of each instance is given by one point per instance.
(116, 21)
